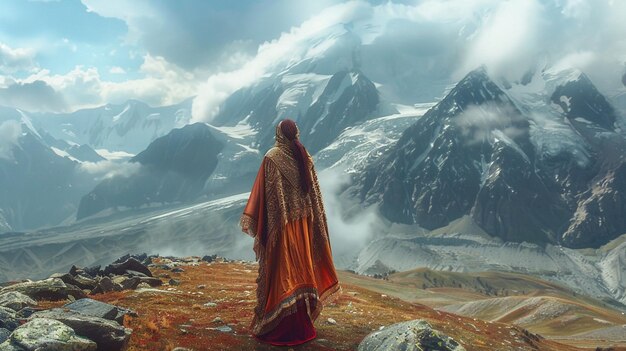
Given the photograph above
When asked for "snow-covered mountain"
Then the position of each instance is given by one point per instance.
(40, 177)
(522, 159)
(128, 127)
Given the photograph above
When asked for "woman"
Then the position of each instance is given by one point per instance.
(286, 218)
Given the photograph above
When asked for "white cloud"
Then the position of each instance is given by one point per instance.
(117, 70)
(31, 96)
(478, 122)
(109, 169)
(290, 47)
(347, 236)
(506, 41)
(10, 131)
(18, 59)
(82, 87)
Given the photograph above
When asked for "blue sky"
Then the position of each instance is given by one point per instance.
(61, 55)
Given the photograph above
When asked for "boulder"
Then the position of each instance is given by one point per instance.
(15, 300)
(415, 335)
(99, 309)
(78, 280)
(47, 334)
(105, 284)
(47, 289)
(143, 258)
(151, 281)
(209, 258)
(109, 335)
(92, 271)
(130, 264)
(8, 319)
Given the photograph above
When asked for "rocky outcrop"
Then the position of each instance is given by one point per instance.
(46, 334)
(47, 289)
(81, 324)
(415, 335)
(601, 212)
(108, 334)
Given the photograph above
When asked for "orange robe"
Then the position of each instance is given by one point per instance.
(296, 271)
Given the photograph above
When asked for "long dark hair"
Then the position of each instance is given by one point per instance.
(290, 130)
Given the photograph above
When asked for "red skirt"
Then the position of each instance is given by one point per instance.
(294, 329)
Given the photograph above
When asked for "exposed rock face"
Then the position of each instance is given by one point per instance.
(479, 152)
(416, 335)
(601, 214)
(580, 99)
(172, 168)
(47, 334)
(348, 98)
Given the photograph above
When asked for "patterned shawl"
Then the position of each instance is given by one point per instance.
(278, 198)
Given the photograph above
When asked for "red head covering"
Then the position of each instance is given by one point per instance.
(290, 131)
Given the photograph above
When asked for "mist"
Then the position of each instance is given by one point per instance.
(348, 235)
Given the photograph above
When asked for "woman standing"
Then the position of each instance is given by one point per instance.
(286, 218)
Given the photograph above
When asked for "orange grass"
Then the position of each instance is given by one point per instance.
(176, 316)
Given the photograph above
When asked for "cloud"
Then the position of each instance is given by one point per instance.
(478, 122)
(271, 56)
(506, 40)
(83, 87)
(18, 59)
(32, 96)
(109, 169)
(10, 132)
(117, 70)
(347, 235)
(204, 34)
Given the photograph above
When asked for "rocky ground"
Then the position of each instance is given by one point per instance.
(193, 303)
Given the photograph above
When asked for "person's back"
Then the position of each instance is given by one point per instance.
(285, 215)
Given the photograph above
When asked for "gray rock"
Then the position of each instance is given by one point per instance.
(415, 335)
(48, 289)
(8, 346)
(108, 334)
(151, 281)
(130, 264)
(25, 312)
(174, 282)
(99, 309)
(15, 300)
(8, 319)
(105, 284)
(78, 280)
(92, 271)
(50, 335)
(4, 335)
(132, 273)
(209, 258)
